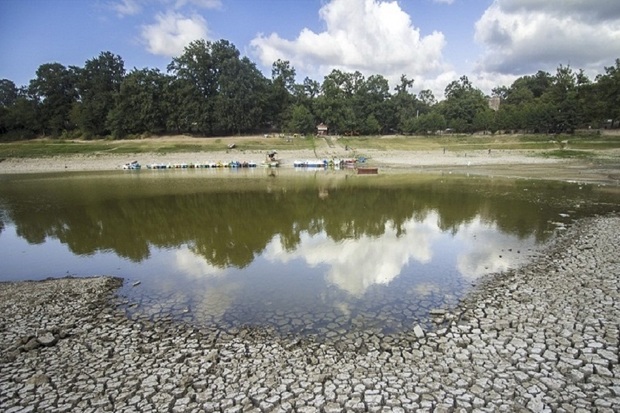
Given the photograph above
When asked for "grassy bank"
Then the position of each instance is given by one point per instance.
(552, 145)
(48, 147)
(481, 142)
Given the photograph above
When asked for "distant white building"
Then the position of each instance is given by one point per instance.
(494, 102)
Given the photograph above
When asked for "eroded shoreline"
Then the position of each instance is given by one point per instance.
(544, 337)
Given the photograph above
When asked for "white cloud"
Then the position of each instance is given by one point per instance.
(372, 36)
(524, 36)
(596, 10)
(444, 1)
(127, 7)
(171, 32)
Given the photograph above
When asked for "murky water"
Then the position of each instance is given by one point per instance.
(321, 252)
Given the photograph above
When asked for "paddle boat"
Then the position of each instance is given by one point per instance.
(132, 165)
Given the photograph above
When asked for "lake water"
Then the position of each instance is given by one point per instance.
(299, 251)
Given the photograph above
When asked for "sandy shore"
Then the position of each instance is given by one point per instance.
(604, 168)
(542, 338)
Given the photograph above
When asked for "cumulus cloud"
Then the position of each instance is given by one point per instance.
(171, 32)
(598, 10)
(523, 36)
(372, 36)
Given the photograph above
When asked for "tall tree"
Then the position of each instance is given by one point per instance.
(196, 87)
(373, 105)
(20, 119)
(281, 92)
(98, 82)
(8, 93)
(537, 84)
(301, 120)
(210, 100)
(54, 89)
(242, 87)
(141, 104)
(8, 96)
(331, 105)
(405, 105)
(463, 102)
(608, 85)
(562, 96)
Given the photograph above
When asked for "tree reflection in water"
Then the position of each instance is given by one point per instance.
(288, 244)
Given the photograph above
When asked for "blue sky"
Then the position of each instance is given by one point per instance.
(431, 41)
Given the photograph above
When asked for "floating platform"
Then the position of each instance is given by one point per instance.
(367, 171)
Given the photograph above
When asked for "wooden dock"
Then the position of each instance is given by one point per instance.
(367, 171)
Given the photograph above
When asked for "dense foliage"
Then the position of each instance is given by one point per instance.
(211, 90)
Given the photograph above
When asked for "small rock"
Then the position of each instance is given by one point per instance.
(437, 312)
(38, 380)
(47, 339)
(32, 344)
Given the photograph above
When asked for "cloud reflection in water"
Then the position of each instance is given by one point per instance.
(355, 265)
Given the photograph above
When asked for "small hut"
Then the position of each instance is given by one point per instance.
(321, 129)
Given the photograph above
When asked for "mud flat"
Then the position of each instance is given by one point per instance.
(541, 338)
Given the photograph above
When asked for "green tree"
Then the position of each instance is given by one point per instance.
(238, 105)
(8, 93)
(98, 83)
(141, 104)
(427, 99)
(484, 121)
(215, 90)
(431, 122)
(55, 92)
(608, 88)
(461, 105)
(301, 120)
(537, 84)
(373, 106)
(404, 104)
(371, 125)
(561, 99)
(8, 96)
(282, 88)
(20, 120)
(195, 88)
(331, 104)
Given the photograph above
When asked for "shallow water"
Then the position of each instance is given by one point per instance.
(300, 251)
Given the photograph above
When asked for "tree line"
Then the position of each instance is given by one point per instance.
(211, 90)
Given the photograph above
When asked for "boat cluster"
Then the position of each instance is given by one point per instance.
(132, 165)
(199, 165)
(269, 162)
(326, 163)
